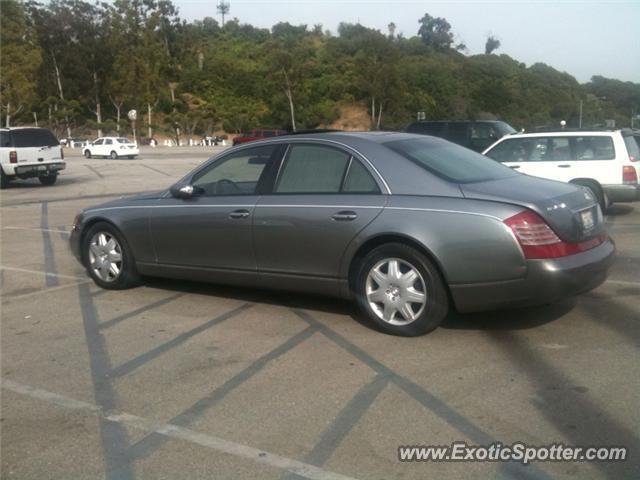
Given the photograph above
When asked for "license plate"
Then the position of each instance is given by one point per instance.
(587, 220)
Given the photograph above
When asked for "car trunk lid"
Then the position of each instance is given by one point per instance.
(571, 211)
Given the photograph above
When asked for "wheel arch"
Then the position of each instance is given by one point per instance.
(384, 238)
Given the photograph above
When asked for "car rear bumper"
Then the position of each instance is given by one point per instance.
(33, 169)
(546, 281)
(622, 193)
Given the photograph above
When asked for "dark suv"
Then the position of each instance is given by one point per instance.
(476, 135)
(257, 134)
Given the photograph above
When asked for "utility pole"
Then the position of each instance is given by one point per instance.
(223, 8)
(580, 121)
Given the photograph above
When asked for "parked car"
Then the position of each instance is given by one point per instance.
(29, 152)
(257, 134)
(112, 147)
(474, 134)
(407, 225)
(605, 162)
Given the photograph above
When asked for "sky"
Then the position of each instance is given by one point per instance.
(583, 38)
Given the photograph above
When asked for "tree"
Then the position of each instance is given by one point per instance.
(20, 60)
(492, 45)
(435, 32)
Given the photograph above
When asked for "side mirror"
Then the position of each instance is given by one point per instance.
(182, 191)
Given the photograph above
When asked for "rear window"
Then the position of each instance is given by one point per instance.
(449, 161)
(33, 137)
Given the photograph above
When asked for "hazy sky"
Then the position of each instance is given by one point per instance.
(583, 38)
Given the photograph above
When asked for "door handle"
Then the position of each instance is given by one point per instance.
(344, 216)
(514, 167)
(239, 214)
(564, 165)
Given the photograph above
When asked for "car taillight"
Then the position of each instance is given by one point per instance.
(629, 174)
(539, 241)
(13, 157)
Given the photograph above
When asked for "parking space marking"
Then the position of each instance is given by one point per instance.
(156, 170)
(33, 229)
(173, 431)
(95, 171)
(13, 298)
(153, 441)
(40, 272)
(49, 260)
(138, 311)
(623, 282)
(140, 360)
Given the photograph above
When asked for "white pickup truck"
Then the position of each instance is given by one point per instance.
(29, 152)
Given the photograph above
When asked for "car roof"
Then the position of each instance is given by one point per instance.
(563, 133)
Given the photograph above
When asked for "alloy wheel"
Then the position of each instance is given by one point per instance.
(396, 291)
(105, 256)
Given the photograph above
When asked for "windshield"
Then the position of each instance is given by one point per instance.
(504, 128)
(450, 161)
(33, 137)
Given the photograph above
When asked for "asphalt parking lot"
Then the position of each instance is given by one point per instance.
(179, 380)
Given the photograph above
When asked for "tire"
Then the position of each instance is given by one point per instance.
(425, 314)
(4, 180)
(96, 252)
(113, 155)
(87, 154)
(597, 193)
(48, 179)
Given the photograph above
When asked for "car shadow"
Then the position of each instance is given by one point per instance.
(618, 210)
(512, 319)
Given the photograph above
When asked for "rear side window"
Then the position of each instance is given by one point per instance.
(312, 169)
(33, 137)
(359, 180)
(458, 133)
(633, 147)
(449, 161)
(553, 149)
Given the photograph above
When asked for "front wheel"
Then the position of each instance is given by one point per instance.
(87, 154)
(108, 259)
(401, 290)
(113, 155)
(48, 179)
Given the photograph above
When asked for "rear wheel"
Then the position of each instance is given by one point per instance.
(87, 154)
(401, 291)
(48, 179)
(108, 259)
(113, 155)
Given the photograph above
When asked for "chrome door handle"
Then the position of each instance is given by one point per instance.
(239, 214)
(564, 165)
(345, 216)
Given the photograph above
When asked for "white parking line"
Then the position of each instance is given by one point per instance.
(39, 272)
(173, 431)
(51, 230)
(622, 282)
(12, 298)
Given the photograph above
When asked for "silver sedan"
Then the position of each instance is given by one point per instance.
(409, 226)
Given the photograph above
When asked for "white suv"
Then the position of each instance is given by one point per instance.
(603, 161)
(28, 152)
(112, 147)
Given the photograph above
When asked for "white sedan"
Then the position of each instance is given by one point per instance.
(112, 147)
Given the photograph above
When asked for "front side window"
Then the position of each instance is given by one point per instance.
(312, 169)
(237, 174)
